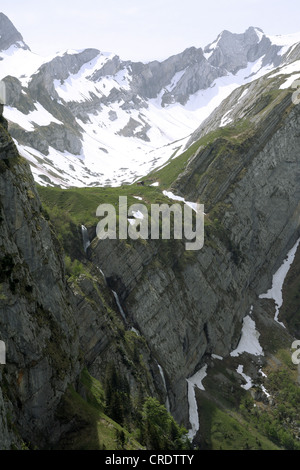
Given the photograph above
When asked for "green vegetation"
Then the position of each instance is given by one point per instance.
(280, 423)
(74, 268)
(2, 295)
(170, 172)
(225, 429)
(232, 418)
(109, 416)
(117, 394)
(93, 426)
(159, 429)
(79, 205)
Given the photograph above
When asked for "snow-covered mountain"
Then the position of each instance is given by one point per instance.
(87, 118)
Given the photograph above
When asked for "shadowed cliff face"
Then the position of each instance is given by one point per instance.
(51, 329)
(36, 323)
(189, 307)
(36, 327)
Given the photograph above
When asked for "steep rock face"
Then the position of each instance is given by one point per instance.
(38, 329)
(177, 306)
(234, 51)
(191, 306)
(105, 339)
(9, 34)
(52, 328)
(59, 68)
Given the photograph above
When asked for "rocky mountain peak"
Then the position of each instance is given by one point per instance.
(233, 51)
(67, 100)
(252, 35)
(9, 35)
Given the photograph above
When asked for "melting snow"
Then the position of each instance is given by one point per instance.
(225, 119)
(294, 67)
(249, 339)
(39, 116)
(125, 159)
(215, 356)
(246, 377)
(170, 195)
(195, 381)
(175, 80)
(275, 292)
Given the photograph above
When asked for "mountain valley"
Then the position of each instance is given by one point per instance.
(142, 344)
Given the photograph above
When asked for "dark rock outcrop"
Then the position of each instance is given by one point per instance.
(191, 307)
(51, 329)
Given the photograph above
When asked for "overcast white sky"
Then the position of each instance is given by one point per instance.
(143, 29)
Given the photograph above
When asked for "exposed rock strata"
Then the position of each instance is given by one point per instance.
(51, 329)
(189, 309)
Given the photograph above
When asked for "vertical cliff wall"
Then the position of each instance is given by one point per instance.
(51, 329)
(36, 322)
(189, 307)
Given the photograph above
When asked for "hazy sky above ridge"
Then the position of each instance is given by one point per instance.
(143, 29)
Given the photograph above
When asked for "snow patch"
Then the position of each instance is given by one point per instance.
(175, 80)
(275, 292)
(39, 116)
(195, 381)
(246, 377)
(249, 339)
(225, 119)
(170, 195)
(215, 356)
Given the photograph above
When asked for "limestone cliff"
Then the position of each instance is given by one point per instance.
(154, 310)
(38, 329)
(51, 329)
(189, 307)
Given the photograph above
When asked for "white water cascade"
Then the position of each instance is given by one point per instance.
(165, 385)
(2, 353)
(85, 238)
(119, 304)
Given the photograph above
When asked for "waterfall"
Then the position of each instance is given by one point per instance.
(119, 304)
(135, 331)
(115, 296)
(85, 238)
(165, 385)
(101, 272)
(195, 381)
(2, 353)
